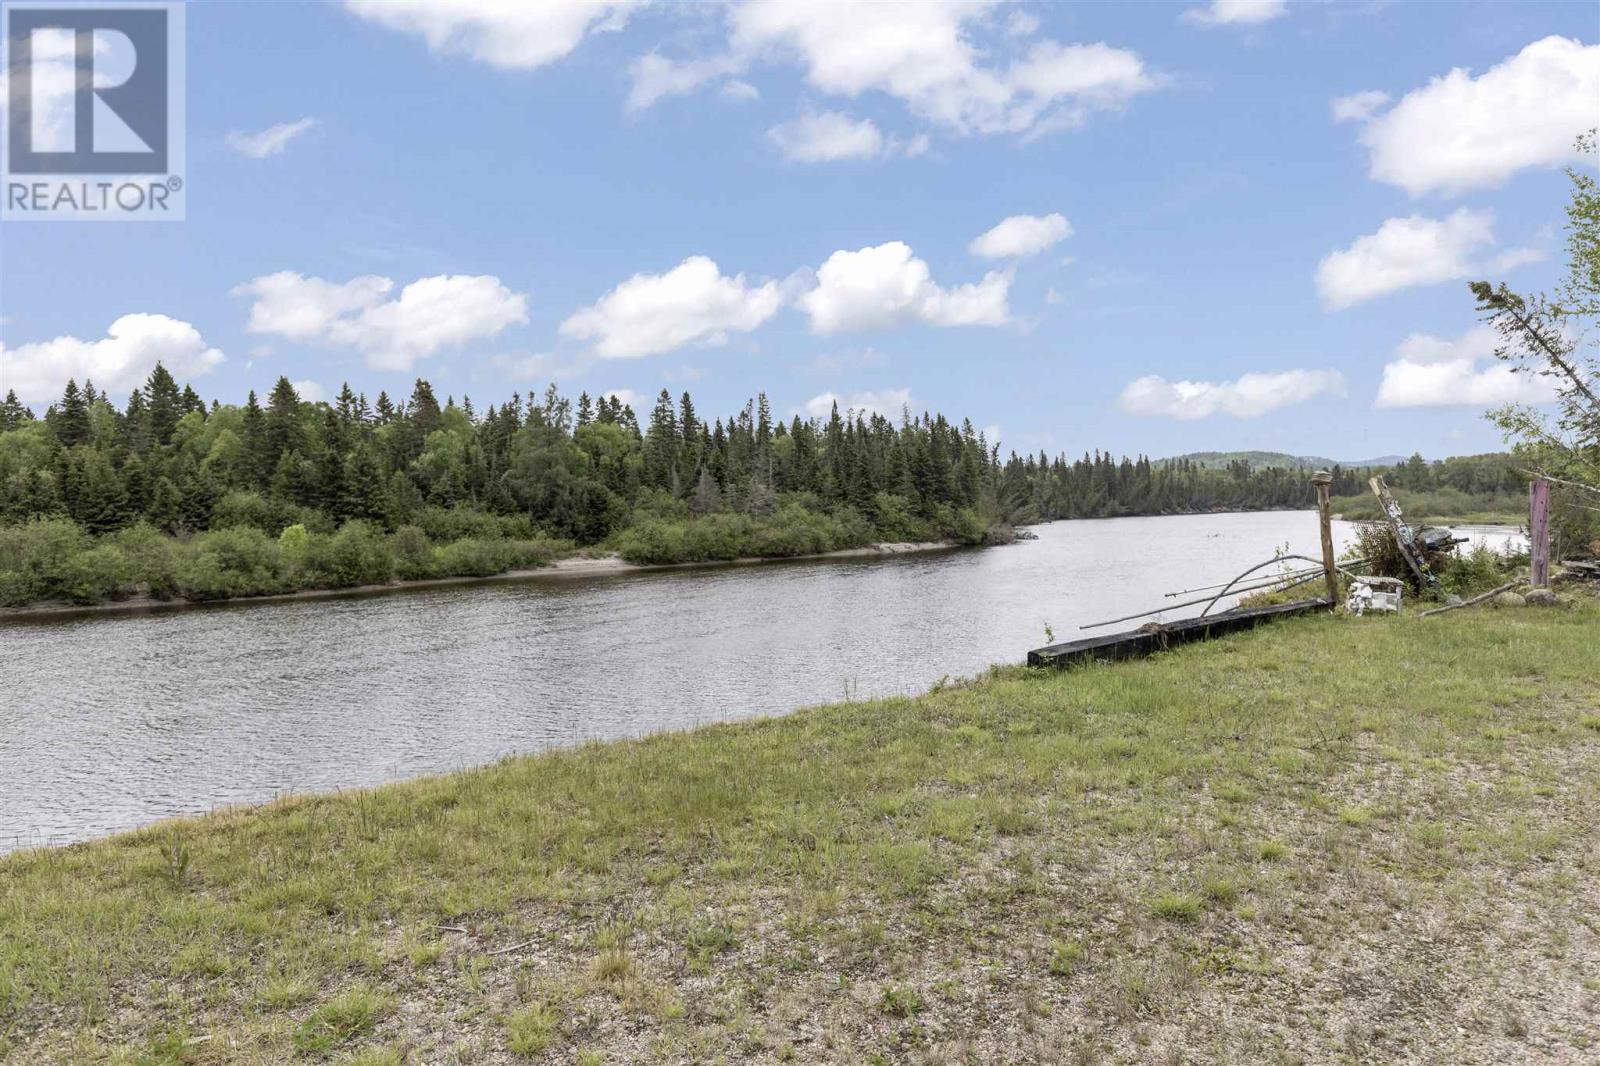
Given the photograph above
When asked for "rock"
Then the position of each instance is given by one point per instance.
(1452, 600)
(1026, 534)
(1509, 599)
(1540, 598)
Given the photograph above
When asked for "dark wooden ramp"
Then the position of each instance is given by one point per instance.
(1156, 638)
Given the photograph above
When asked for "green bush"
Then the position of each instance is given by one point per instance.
(793, 530)
(241, 561)
(1476, 570)
(38, 561)
(443, 525)
(153, 557)
(477, 557)
(717, 536)
(895, 519)
(356, 555)
(653, 541)
(413, 554)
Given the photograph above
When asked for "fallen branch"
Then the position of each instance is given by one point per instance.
(1507, 587)
(513, 947)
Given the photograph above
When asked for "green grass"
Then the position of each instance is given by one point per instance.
(1235, 847)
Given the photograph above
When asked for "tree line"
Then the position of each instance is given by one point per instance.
(422, 488)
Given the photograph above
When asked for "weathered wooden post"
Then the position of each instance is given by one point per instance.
(1539, 532)
(1322, 479)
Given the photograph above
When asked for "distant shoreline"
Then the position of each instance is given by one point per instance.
(576, 566)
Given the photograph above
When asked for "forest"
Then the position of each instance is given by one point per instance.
(168, 496)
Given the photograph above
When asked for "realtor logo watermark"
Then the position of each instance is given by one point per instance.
(94, 112)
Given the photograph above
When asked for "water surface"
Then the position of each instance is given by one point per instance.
(113, 721)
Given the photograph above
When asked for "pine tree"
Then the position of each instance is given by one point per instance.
(12, 413)
(280, 424)
(163, 404)
(71, 421)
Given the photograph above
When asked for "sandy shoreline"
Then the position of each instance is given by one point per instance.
(577, 566)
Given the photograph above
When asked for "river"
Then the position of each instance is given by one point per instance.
(113, 721)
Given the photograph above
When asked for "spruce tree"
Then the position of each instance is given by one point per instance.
(163, 405)
(71, 420)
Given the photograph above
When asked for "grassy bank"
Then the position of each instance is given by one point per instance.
(1441, 507)
(1326, 841)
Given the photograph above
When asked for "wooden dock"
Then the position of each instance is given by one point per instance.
(1142, 642)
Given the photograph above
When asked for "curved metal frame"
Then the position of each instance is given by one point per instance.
(1226, 588)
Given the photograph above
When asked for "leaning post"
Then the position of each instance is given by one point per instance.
(1539, 532)
(1322, 479)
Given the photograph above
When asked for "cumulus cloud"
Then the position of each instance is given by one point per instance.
(270, 141)
(886, 402)
(656, 76)
(1357, 107)
(1021, 235)
(828, 137)
(430, 314)
(1431, 371)
(1412, 251)
(309, 391)
(653, 313)
(629, 398)
(118, 362)
(1236, 12)
(1250, 396)
(926, 55)
(873, 288)
(510, 34)
(1459, 132)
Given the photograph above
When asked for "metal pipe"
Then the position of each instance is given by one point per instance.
(1192, 603)
(1348, 564)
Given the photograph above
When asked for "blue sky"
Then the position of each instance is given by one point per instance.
(494, 196)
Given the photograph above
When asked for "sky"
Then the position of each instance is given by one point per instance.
(1145, 228)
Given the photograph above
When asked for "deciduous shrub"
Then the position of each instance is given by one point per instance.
(241, 561)
(356, 555)
(413, 553)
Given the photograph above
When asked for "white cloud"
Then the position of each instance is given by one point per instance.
(1412, 251)
(1357, 107)
(656, 76)
(827, 137)
(1431, 371)
(886, 402)
(629, 398)
(523, 365)
(653, 313)
(116, 363)
(1236, 12)
(309, 391)
(735, 89)
(873, 288)
(1459, 132)
(430, 314)
(1021, 235)
(1250, 396)
(922, 54)
(270, 141)
(510, 34)
(1022, 24)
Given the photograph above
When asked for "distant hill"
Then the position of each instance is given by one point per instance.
(1261, 460)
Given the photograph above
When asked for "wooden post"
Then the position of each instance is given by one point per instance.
(1322, 479)
(1539, 531)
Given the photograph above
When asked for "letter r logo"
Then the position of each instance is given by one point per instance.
(87, 90)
